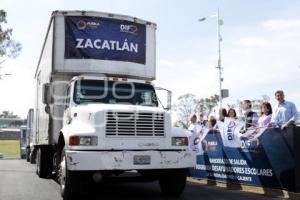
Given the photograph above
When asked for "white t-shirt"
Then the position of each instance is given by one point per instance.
(195, 129)
(230, 132)
(195, 138)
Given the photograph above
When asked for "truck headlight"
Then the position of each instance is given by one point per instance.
(83, 141)
(180, 141)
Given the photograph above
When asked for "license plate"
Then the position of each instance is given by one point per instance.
(141, 160)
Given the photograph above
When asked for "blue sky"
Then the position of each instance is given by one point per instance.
(260, 48)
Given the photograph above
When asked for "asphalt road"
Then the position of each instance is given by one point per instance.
(18, 181)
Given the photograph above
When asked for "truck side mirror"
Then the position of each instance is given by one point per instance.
(47, 109)
(167, 96)
(46, 93)
(169, 105)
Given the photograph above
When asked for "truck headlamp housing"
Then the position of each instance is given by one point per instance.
(83, 141)
(180, 141)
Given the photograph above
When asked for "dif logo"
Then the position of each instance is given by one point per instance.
(230, 130)
(132, 29)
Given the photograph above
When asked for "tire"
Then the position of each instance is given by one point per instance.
(149, 175)
(69, 181)
(172, 182)
(43, 162)
(32, 157)
(27, 154)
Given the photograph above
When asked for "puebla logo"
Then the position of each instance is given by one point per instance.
(82, 24)
(212, 145)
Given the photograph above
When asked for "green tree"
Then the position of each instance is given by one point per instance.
(8, 46)
(187, 105)
(207, 104)
(8, 114)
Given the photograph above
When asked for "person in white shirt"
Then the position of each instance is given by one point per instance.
(222, 114)
(194, 127)
(286, 113)
(195, 135)
(202, 121)
(212, 123)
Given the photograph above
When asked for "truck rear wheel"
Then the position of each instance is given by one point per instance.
(27, 154)
(32, 157)
(43, 162)
(69, 181)
(172, 182)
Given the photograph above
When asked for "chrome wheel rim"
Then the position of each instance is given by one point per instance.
(62, 173)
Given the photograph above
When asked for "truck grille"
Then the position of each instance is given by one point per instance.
(134, 124)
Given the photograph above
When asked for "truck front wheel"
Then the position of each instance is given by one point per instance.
(69, 181)
(43, 162)
(172, 182)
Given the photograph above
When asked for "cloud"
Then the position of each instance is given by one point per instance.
(262, 59)
(253, 41)
(281, 24)
(256, 61)
(188, 76)
(165, 63)
(17, 90)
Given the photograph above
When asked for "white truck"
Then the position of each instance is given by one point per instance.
(96, 112)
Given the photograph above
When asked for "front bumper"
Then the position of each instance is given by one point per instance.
(124, 160)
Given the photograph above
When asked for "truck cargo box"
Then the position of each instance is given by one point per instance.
(95, 42)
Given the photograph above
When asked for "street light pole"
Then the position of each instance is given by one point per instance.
(219, 66)
(220, 22)
(1, 75)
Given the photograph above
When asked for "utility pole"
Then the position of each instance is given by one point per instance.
(220, 22)
(219, 66)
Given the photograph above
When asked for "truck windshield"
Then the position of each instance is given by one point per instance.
(113, 92)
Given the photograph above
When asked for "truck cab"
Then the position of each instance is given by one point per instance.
(123, 117)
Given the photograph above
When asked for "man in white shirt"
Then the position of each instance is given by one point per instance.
(286, 113)
(202, 121)
(194, 127)
(196, 136)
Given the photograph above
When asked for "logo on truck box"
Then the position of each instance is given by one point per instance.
(128, 28)
(82, 25)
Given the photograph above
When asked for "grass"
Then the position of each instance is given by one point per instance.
(10, 148)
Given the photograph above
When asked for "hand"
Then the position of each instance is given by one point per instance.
(284, 126)
(271, 125)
